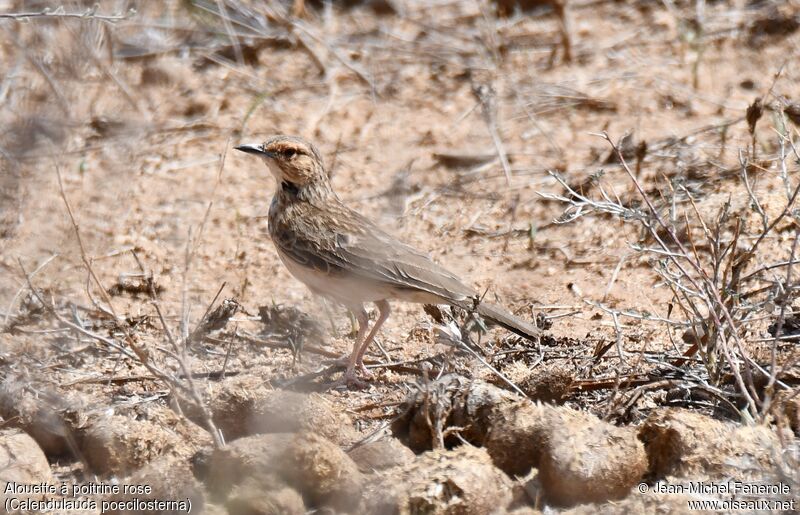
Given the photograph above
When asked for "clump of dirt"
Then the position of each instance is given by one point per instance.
(23, 462)
(791, 410)
(548, 384)
(460, 481)
(651, 502)
(119, 445)
(250, 497)
(307, 462)
(111, 444)
(40, 414)
(169, 478)
(381, 455)
(685, 444)
(244, 406)
(579, 457)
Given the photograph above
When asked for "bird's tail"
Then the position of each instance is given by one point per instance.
(511, 322)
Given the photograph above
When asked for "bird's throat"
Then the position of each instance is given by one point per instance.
(314, 192)
(290, 188)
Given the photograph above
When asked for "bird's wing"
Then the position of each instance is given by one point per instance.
(338, 240)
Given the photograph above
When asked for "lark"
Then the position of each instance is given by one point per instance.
(343, 256)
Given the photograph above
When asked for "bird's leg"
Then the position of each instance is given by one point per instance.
(383, 309)
(350, 377)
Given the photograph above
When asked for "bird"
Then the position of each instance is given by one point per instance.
(343, 256)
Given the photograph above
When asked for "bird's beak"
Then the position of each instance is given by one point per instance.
(254, 149)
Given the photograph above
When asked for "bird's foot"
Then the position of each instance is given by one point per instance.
(344, 361)
(350, 380)
(367, 373)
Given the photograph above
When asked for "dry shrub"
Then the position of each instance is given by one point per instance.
(717, 255)
(434, 412)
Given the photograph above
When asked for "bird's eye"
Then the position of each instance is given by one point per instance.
(289, 153)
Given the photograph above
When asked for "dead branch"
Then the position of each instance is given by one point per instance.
(84, 256)
(59, 12)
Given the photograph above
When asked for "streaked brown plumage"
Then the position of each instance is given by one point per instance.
(342, 255)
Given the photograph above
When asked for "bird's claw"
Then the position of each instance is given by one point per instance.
(344, 361)
(350, 380)
(367, 373)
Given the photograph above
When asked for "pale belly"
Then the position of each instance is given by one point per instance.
(352, 291)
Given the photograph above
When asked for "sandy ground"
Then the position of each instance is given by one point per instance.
(139, 117)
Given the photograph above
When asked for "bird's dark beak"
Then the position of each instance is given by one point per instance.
(254, 149)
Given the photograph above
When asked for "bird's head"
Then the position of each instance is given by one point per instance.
(291, 159)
